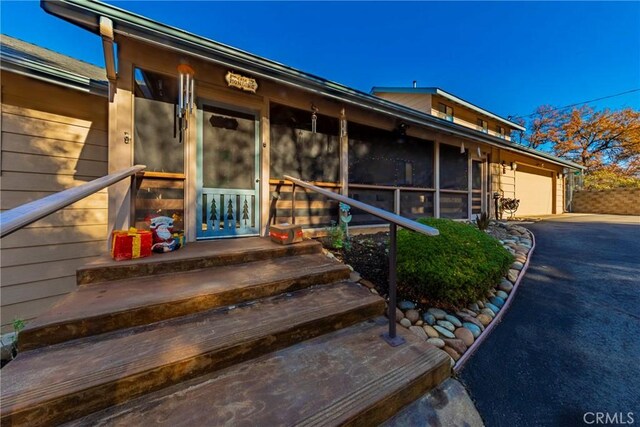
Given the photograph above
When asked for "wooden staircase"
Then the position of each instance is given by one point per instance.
(234, 332)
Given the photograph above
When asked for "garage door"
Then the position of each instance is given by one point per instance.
(534, 188)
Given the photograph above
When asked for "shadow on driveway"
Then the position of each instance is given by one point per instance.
(570, 343)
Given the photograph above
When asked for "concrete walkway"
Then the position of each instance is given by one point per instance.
(570, 343)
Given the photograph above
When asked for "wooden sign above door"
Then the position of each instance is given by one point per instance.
(241, 82)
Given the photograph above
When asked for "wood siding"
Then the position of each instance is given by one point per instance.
(52, 138)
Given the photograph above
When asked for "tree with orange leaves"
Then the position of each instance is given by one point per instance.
(600, 140)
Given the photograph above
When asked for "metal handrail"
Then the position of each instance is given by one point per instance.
(17, 218)
(394, 221)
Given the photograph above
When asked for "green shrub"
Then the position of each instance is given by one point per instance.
(454, 268)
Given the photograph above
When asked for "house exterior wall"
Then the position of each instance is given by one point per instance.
(52, 138)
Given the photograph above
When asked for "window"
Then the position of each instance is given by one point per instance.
(482, 125)
(376, 158)
(297, 151)
(446, 112)
(500, 131)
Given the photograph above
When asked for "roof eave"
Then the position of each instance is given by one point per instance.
(52, 75)
(87, 15)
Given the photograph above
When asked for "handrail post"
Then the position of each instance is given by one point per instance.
(391, 337)
(293, 204)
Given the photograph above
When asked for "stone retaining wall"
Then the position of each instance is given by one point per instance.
(619, 201)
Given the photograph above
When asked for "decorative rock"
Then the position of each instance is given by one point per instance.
(497, 301)
(453, 320)
(521, 258)
(412, 315)
(471, 312)
(474, 321)
(517, 265)
(451, 352)
(480, 304)
(429, 319)
(456, 344)
(444, 332)
(488, 312)
(405, 322)
(437, 313)
(419, 323)
(417, 330)
(475, 330)
(406, 305)
(355, 276)
(436, 341)
(492, 307)
(512, 275)
(374, 291)
(431, 333)
(505, 286)
(502, 294)
(465, 335)
(484, 319)
(446, 324)
(474, 307)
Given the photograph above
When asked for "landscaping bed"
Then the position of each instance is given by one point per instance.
(452, 327)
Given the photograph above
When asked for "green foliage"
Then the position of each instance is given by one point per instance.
(454, 268)
(482, 221)
(336, 235)
(606, 179)
(18, 325)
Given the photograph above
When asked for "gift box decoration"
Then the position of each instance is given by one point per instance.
(130, 244)
(286, 233)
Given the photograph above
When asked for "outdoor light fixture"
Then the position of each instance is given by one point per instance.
(401, 131)
(504, 167)
(462, 149)
(185, 96)
(479, 152)
(514, 166)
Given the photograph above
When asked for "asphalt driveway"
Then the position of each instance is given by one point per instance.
(570, 343)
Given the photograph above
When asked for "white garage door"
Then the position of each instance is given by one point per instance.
(535, 191)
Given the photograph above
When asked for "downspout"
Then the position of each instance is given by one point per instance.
(106, 32)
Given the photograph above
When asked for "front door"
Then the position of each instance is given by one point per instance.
(227, 173)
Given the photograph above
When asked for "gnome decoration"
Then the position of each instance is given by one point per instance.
(163, 237)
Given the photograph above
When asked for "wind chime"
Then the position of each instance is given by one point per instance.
(185, 98)
(314, 118)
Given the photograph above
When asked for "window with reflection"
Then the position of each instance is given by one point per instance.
(297, 151)
(454, 168)
(380, 157)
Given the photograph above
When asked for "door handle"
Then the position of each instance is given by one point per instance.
(257, 179)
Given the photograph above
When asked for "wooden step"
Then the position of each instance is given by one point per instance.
(102, 307)
(66, 381)
(349, 377)
(193, 256)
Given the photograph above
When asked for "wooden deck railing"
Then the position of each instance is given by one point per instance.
(394, 221)
(17, 218)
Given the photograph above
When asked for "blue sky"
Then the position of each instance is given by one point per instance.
(503, 56)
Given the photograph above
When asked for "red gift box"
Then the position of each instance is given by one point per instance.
(130, 244)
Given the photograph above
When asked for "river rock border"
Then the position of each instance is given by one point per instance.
(460, 333)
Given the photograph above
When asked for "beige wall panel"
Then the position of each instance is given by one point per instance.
(53, 138)
(19, 143)
(45, 288)
(27, 93)
(17, 162)
(25, 181)
(13, 276)
(51, 117)
(28, 237)
(27, 310)
(12, 199)
(535, 191)
(34, 255)
(417, 101)
(12, 123)
(560, 195)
